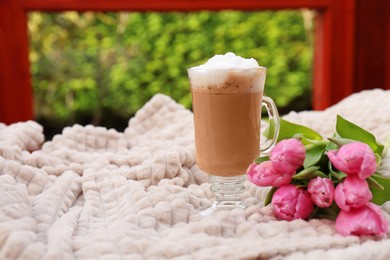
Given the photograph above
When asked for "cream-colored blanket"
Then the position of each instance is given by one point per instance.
(97, 193)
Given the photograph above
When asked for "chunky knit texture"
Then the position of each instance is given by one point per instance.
(98, 193)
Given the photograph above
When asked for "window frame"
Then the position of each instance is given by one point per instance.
(333, 52)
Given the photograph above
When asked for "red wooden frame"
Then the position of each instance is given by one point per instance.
(333, 59)
(372, 45)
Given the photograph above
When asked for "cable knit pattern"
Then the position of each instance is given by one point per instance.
(98, 193)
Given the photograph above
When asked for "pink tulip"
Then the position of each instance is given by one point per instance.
(355, 158)
(290, 202)
(265, 174)
(353, 192)
(367, 220)
(288, 155)
(321, 191)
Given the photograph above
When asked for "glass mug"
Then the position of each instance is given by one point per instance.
(227, 105)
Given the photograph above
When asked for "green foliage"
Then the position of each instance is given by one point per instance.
(289, 130)
(380, 194)
(348, 130)
(99, 64)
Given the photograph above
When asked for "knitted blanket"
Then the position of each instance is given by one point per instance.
(97, 193)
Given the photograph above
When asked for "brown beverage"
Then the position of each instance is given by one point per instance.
(227, 120)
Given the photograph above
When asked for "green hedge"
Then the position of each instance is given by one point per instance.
(99, 66)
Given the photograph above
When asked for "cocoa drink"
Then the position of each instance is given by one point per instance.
(227, 115)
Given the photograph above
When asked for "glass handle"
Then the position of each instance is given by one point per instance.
(273, 127)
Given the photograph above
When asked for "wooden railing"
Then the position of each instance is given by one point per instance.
(335, 42)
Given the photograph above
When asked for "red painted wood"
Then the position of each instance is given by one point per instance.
(15, 81)
(371, 44)
(387, 32)
(168, 5)
(322, 52)
(343, 46)
(334, 54)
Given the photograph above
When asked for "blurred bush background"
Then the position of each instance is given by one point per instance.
(100, 68)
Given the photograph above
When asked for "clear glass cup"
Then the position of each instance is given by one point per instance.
(227, 105)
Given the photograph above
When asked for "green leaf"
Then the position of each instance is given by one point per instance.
(349, 130)
(289, 130)
(378, 159)
(309, 173)
(373, 184)
(380, 196)
(340, 141)
(336, 174)
(261, 159)
(328, 213)
(270, 194)
(268, 132)
(314, 154)
(331, 145)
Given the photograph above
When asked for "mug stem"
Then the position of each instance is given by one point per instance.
(227, 191)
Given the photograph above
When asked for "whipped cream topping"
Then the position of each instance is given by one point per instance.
(226, 73)
(229, 61)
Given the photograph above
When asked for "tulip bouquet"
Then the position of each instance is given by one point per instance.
(335, 178)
